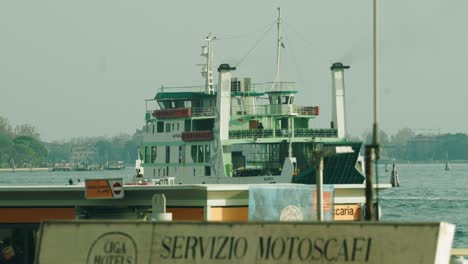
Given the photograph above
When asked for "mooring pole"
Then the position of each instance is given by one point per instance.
(319, 185)
(372, 151)
(370, 157)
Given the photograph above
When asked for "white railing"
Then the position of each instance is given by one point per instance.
(203, 111)
(254, 87)
(281, 133)
(283, 109)
(190, 88)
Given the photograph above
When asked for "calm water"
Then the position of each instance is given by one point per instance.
(427, 192)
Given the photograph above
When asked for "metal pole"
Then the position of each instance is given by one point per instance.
(373, 150)
(370, 156)
(376, 97)
(319, 185)
(278, 47)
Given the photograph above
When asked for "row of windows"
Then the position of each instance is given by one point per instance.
(165, 171)
(161, 172)
(199, 153)
(152, 153)
(159, 127)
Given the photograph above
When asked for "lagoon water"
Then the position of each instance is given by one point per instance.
(427, 192)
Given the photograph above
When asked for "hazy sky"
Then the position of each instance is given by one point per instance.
(83, 68)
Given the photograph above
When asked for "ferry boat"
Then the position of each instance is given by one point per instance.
(217, 134)
(238, 131)
(114, 165)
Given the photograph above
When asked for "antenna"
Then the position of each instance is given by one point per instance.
(207, 69)
(278, 47)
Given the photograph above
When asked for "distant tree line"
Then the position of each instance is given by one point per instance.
(409, 146)
(21, 146)
(122, 147)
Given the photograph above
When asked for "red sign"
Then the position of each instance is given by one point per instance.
(117, 188)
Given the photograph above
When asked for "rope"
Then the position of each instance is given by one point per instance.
(240, 36)
(308, 42)
(293, 58)
(256, 44)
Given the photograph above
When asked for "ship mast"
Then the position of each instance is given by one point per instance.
(207, 71)
(276, 83)
(278, 47)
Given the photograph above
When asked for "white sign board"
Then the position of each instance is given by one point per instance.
(150, 242)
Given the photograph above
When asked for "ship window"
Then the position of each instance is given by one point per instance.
(173, 127)
(194, 153)
(235, 86)
(207, 171)
(164, 172)
(178, 126)
(153, 128)
(200, 153)
(180, 154)
(207, 153)
(168, 128)
(159, 172)
(179, 104)
(146, 155)
(154, 172)
(160, 127)
(154, 154)
(168, 154)
(193, 171)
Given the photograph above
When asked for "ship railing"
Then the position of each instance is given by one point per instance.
(281, 109)
(323, 132)
(188, 88)
(201, 135)
(195, 112)
(282, 133)
(273, 87)
(203, 111)
(307, 110)
(254, 87)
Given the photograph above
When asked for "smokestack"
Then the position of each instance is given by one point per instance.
(223, 100)
(218, 161)
(338, 98)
